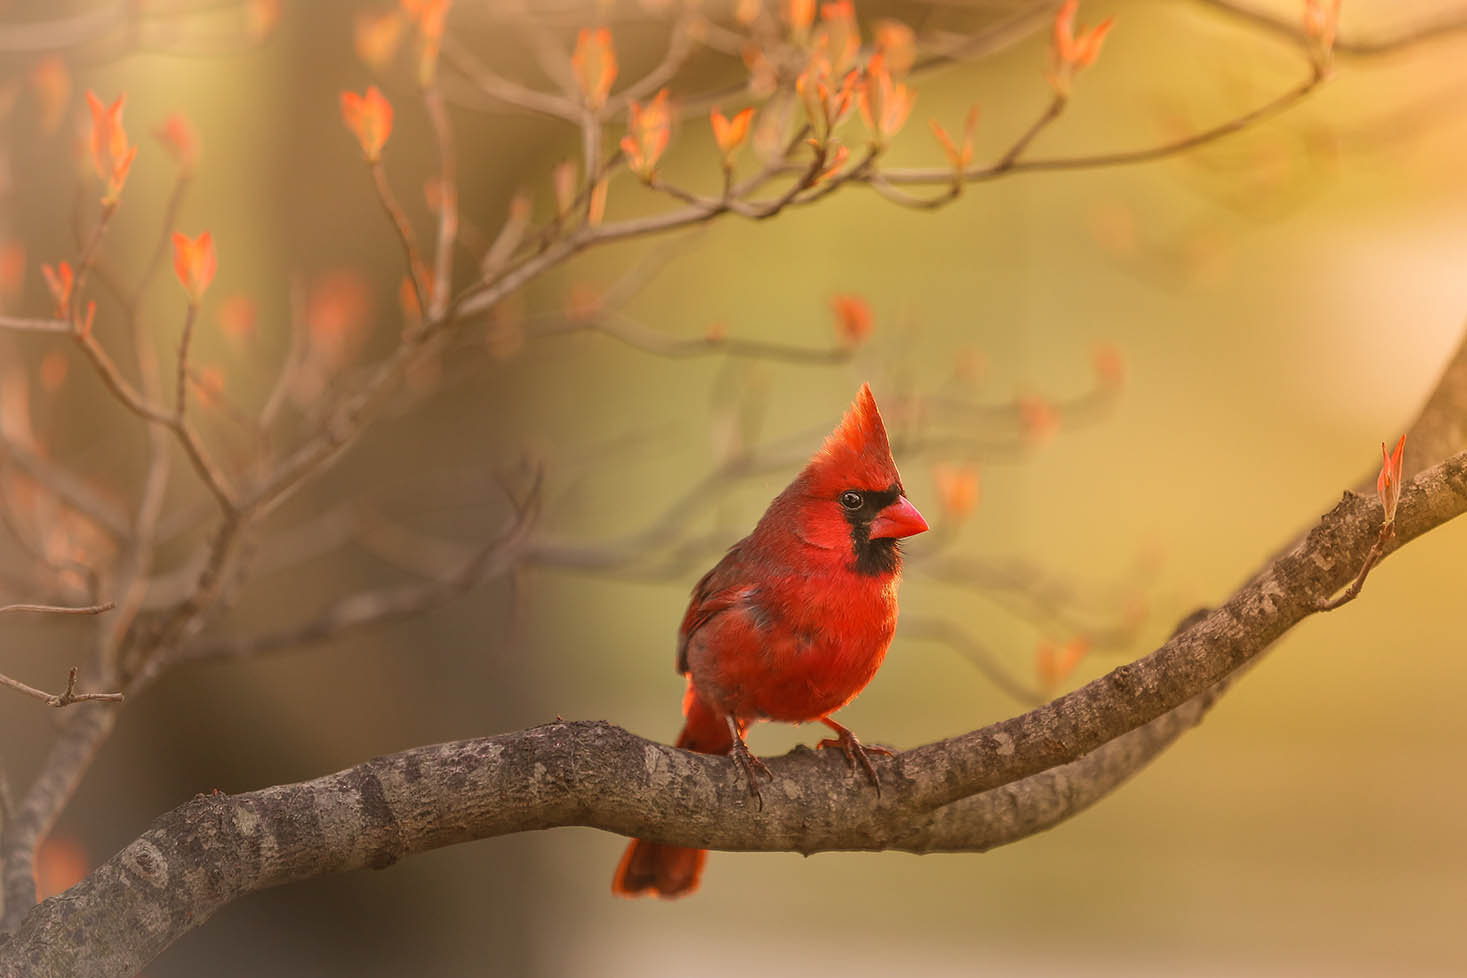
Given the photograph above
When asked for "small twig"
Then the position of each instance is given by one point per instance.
(1377, 551)
(59, 700)
(404, 230)
(21, 325)
(447, 202)
(181, 405)
(53, 609)
(1051, 112)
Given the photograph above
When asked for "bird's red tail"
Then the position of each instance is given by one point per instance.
(674, 871)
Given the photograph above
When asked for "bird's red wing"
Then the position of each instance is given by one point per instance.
(716, 591)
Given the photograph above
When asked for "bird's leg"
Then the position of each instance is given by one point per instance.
(855, 750)
(751, 765)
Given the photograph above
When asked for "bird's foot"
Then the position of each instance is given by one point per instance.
(751, 766)
(855, 751)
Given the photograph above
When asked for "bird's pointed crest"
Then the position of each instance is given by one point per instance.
(856, 455)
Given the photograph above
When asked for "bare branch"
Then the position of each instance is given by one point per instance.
(66, 698)
(1430, 29)
(52, 609)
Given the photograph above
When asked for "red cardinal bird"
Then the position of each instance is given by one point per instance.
(792, 623)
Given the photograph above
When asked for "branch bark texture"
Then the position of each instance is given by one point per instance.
(986, 788)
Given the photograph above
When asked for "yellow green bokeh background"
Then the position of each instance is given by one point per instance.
(1283, 300)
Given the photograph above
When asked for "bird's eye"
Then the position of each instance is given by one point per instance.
(851, 500)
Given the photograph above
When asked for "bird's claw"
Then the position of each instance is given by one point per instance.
(752, 768)
(856, 751)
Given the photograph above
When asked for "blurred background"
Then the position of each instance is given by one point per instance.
(1280, 302)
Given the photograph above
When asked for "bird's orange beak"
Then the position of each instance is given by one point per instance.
(900, 519)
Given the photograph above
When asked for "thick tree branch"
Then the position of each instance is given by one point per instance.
(972, 792)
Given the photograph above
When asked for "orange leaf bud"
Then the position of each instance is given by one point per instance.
(885, 105)
(1321, 20)
(748, 11)
(957, 489)
(853, 323)
(178, 136)
(237, 316)
(958, 157)
(1054, 665)
(649, 128)
(111, 155)
(261, 16)
(594, 63)
(563, 179)
(833, 164)
(897, 43)
(338, 303)
(839, 36)
(799, 14)
(60, 280)
(53, 371)
(51, 81)
(730, 134)
(194, 262)
(369, 117)
(596, 211)
(1072, 50)
(209, 384)
(429, 16)
(1110, 367)
(376, 37)
(12, 268)
(1038, 418)
(1388, 483)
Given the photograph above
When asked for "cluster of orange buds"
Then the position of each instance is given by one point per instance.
(428, 15)
(1054, 664)
(594, 64)
(957, 489)
(959, 155)
(111, 154)
(885, 104)
(833, 161)
(1073, 50)
(194, 262)
(730, 134)
(828, 102)
(649, 127)
(1388, 483)
(369, 117)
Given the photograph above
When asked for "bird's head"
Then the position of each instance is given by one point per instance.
(851, 493)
